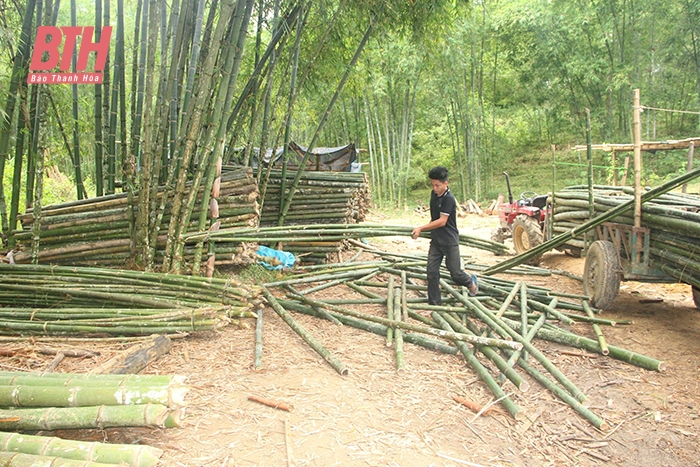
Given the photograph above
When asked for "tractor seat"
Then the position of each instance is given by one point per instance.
(540, 201)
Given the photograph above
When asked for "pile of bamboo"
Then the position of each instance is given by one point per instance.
(61, 301)
(495, 329)
(59, 401)
(321, 197)
(96, 231)
(673, 220)
(323, 238)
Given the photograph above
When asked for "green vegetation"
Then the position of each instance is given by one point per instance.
(481, 87)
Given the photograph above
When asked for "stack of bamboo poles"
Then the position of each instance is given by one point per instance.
(58, 401)
(60, 301)
(673, 219)
(96, 231)
(323, 238)
(496, 328)
(328, 197)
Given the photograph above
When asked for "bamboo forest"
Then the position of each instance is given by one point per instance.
(471, 85)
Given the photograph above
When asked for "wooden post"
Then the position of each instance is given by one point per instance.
(689, 167)
(637, 135)
(614, 167)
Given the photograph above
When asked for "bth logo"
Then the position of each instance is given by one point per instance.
(48, 41)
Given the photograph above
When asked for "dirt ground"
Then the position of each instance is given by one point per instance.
(376, 416)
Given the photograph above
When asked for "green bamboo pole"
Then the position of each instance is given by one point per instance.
(130, 454)
(65, 418)
(18, 459)
(308, 338)
(411, 326)
(488, 317)
(257, 364)
(483, 373)
(53, 396)
(390, 310)
(563, 395)
(8, 378)
(376, 328)
(488, 352)
(398, 338)
(592, 345)
(596, 329)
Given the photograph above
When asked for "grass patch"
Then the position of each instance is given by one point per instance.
(258, 275)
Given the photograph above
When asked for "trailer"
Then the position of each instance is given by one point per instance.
(623, 252)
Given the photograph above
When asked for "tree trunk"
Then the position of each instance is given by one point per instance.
(18, 76)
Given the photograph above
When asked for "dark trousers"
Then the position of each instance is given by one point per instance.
(452, 261)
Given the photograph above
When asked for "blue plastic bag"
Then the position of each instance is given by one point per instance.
(282, 259)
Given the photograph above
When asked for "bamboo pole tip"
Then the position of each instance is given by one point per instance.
(524, 386)
(604, 426)
(662, 366)
(605, 352)
(586, 403)
(520, 416)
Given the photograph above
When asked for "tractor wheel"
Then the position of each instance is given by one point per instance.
(696, 296)
(527, 234)
(601, 276)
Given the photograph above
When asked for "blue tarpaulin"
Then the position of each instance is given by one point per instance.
(282, 259)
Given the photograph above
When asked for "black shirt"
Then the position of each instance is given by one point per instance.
(447, 235)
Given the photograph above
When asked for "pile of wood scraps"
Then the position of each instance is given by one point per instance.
(469, 207)
(496, 332)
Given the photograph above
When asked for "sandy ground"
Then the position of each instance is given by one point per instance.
(376, 416)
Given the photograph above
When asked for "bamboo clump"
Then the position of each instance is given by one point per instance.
(502, 325)
(54, 401)
(673, 220)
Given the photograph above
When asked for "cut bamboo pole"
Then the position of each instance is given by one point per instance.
(130, 454)
(155, 415)
(308, 338)
(508, 404)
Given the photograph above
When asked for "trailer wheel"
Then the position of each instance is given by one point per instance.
(527, 234)
(696, 296)
(601, 277)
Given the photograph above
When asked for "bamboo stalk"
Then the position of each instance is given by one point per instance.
(65, 418)
(493, 322)
(508, 404)
(412, 327)
(308, 338)
(130, 454)
(398, 339)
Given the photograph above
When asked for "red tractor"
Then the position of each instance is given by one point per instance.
(523, 220)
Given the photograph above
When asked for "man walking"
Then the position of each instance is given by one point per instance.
(444, 238)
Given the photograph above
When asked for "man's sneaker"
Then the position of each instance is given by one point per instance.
(474, 288)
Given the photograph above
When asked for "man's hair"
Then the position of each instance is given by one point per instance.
(438, 173)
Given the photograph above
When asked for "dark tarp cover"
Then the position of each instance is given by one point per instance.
(337, 159)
